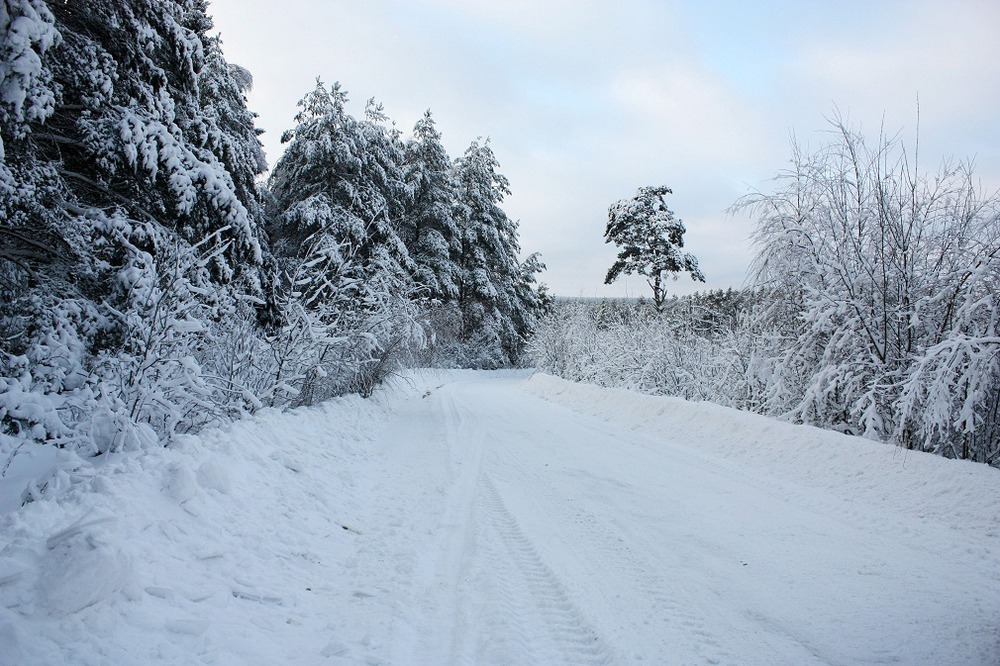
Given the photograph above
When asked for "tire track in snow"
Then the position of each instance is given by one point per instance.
(672, 607)
(534, 601)
(502, 636)
(888, 550)
(447, 561)
(675, 604)
(504, 605)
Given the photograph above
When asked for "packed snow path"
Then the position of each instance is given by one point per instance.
(540, 535)
(493, 518)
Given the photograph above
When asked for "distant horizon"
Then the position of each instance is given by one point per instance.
(644, 297)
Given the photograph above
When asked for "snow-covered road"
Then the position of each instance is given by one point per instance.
(493, 518)
(542, 535)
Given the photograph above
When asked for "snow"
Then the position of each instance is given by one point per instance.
(496, 518)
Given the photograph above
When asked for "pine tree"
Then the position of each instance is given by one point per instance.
(432, 232)
(351, 168)
(650, 238)
(146, 201)
(494, 288)
(129, 129)
(338, 194)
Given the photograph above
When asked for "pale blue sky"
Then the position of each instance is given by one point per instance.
(586, 100)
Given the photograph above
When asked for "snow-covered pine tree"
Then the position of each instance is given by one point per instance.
(431, 231)
(532, 297)
(227, 127)
(149, 218)
(495, 297)
(130, 125)
(650, 240)
(351, 166)
(236, 359)
(32, 248)
(338, 194)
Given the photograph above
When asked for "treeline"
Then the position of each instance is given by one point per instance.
(873, 309)
(695, 347)
(150, 284)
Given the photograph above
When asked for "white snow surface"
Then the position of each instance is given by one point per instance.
(502, 518)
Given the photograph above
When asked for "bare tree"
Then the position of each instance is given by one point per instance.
(894, 278)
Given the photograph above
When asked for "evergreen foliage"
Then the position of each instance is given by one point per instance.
(650, 238)
(126, 232)
(149, 285)
(338, 194)
(432, 226)
(495, 297)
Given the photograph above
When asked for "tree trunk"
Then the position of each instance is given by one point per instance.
(658, 292)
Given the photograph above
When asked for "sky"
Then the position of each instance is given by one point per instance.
(585, 101)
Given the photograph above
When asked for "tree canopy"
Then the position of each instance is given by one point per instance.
(650, 240)
(151, 284)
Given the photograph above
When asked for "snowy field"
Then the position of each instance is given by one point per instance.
(497, 518)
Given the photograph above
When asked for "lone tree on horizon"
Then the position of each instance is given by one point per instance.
(650, 238)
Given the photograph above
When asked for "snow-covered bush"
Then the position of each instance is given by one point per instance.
(894, 275)
(633, 345)
(951, 395)
(348, 325)
(874, 311)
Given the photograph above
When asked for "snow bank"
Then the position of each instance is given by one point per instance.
(961, 494)
(199, 553)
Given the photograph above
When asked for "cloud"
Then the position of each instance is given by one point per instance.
(567, 21)
(944, 54)
(586, 100)
(685, 115)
